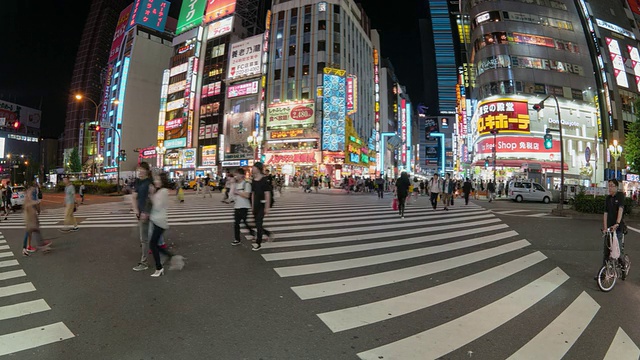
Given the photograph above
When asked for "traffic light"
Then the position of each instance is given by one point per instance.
(548, 141)
(486, 163)
(123, 155)
(16, 124)
(97, 127)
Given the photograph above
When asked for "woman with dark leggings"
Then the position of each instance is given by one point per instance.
(402, 191)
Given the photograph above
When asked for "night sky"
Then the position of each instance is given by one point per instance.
(41, 39)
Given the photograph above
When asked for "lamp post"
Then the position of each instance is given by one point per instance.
(254, 141)
(537, 107)
(80, 97)
(615, 150)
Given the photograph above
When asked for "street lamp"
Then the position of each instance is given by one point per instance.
(615, 150)
(537, 107)
(254, 141)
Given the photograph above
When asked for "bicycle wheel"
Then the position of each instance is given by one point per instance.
(625, 270)
(607, 277)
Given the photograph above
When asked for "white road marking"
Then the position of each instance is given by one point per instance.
(8, 263)
(556, 339)
(357, 316)
(622, 347)
(32, 338)
(23, 308)
(16, 289)
(343, 286)
(443, 339)
(328, 266)
(12, 274)
(376, 245)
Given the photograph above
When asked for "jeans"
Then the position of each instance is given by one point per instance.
(144, 239)
(258, 214)
(380, 192)
(155, 248)
(434, 200)
(240, 215)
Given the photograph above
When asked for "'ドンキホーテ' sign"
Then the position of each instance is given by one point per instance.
(505, 115)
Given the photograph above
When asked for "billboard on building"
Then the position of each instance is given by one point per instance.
(26, 115)
(334, 109)
(237, 129)
(245, 58)
(505, 115)
(118, 36)
(220, 28)
(291, 115)
(209, 154)
(2, 142)
(219, 8)
(150, 13)
(191, 14)
(248, 88)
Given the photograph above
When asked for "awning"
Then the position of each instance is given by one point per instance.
(547, 165)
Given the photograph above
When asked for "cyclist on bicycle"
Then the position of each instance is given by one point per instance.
(613, 218)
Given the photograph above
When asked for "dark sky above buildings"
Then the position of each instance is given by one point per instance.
(41, 39)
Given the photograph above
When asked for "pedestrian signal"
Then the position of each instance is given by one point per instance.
(548, 141)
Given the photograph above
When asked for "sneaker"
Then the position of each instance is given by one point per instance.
(141, 267)
(235, 242)
(271, 238)
(31, 249)
(75, 229)
(256, 247)
(25, 252)
(45, 245)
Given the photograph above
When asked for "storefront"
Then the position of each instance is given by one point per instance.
(516, 131)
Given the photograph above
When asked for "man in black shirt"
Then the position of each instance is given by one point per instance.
(613, 217)
(466, 190)
(261, 192)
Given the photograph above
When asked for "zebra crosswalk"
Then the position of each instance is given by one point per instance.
(351, 251)
(19, 300)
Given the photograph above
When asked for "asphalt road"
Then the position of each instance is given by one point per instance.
(346, 278)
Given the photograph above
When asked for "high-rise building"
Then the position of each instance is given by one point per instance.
(89, 70)
(321, 70)
(526, 53)
(130, 99)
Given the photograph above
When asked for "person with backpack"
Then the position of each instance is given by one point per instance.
(402, 191)
(261, 201)
(242, 193)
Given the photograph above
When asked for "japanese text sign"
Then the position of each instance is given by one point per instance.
(245, 58)
(505, 115)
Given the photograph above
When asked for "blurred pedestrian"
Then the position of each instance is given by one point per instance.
(402, 191)
(82, 189)
(70, 207)
(142, 209)
(32, 226)
(261, 200)
(242, 193)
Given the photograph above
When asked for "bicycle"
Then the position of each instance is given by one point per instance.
(613, 268)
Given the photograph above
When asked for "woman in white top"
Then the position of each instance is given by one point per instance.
(160, 222)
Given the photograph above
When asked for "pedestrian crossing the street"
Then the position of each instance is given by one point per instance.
(15, 308)
(367, 269)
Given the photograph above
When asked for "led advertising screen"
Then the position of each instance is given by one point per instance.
(118, 36)
(191, 14)
(237, 129)
(209, 155)
(245, 58)
(150, 13)
(219, 8)
(335, 110)
(291, 115)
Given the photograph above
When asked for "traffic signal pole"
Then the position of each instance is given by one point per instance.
(538, 107)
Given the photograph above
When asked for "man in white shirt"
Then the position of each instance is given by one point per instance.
(435, 186)
(241, 192)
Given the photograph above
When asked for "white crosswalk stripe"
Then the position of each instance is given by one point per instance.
(24, 339)
(362, 235)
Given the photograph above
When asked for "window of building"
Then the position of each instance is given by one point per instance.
(307, 9)
(292, 30)
(322, 45)
(292, 72)
(307, 27)
(321, 66)
(336, 9)
(277, 74)
(305, 95)
(294, 12)
(306, 48)
(336, 27)
(292, 50)
(322, 24)
(336, 48)
(305, 70)
(281, 15)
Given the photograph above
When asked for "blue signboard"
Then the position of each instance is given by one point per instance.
(334, 109)
(175, 143)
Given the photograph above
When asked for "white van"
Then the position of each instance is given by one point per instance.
(528, 191)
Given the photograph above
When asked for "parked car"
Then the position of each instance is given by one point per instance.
(18, 194)
(528, 191)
